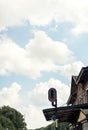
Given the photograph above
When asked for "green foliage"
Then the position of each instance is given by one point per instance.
(6, 123)
(11, 119)
(61, 126)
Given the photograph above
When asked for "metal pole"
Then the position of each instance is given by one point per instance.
(56, 124)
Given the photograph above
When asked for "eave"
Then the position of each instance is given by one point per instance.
(65, 114)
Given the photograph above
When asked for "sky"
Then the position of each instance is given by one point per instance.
(42, 44)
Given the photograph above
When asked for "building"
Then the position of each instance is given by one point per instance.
(76, 111)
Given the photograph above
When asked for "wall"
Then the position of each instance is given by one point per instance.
(85, 126)
(82, 94)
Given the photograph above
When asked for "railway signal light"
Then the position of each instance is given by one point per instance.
(52, 96)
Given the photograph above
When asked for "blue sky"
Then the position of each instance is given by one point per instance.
(42, 44)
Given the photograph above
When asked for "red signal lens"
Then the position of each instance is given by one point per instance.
(52, 95)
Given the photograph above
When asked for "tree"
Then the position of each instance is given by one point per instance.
(6, 123)
(61, 126)
(11, 119)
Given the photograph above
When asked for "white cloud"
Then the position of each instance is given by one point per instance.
(40, 54)
(39, 95)
(34, 117)
(12, 57)
(44, 49)
(10, 95)
(38, 98)
(42, 12)
(71, 69)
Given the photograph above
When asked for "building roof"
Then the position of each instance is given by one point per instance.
(83, 75)
(81, 78)
(64, 114)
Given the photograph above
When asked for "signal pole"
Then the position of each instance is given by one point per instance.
(52, 96)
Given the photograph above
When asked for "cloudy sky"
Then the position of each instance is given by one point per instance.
(42, 44)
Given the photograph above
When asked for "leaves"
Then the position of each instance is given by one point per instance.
(11, 119)
(61, 126)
